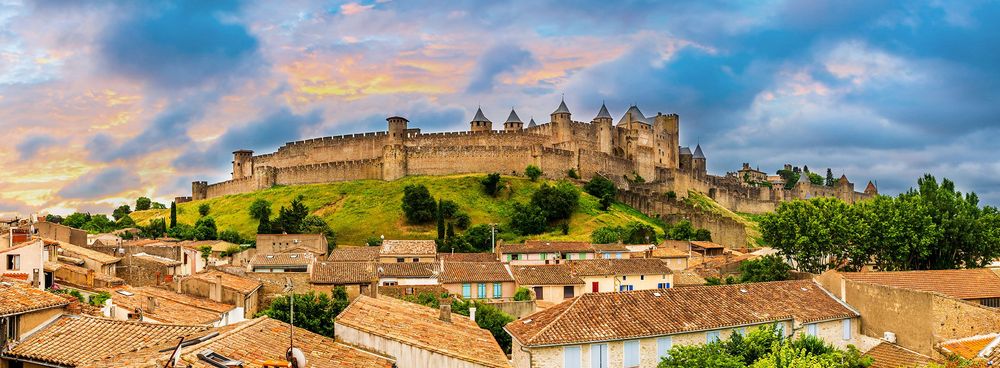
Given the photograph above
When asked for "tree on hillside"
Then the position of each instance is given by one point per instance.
(55, 219)
(173, 214)
(830, 181)
(125, 222)
(76, 220)
(491, 184)
(557, 201)
(815, 179)
(702, 234)
(527, 219)
(602, 188)
(260, 210)
(313, 311)
(418, 205)
(764, 269)
(203, 209)
(532, 172)
(205, 229)
(231, 236)
(99, 224)
(157, 206)
(142, 204)
(121, 211)
(448, 208)
(156, 228)
(313, 224)
(440, 222)
(290, 218)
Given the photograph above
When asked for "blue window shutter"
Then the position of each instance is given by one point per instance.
(847, 329)
(711, 336)
(631, 357)
(599, 356)
(466, 291)
(663, 346)
(497, 290)
(482, 291)
(572, 357)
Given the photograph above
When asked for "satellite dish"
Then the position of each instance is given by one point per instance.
(296, 357)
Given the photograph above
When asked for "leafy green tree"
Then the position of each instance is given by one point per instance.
(99, 224)
(173, 214)
(527, 219)
(556, 201)
(155, 229)
(492, 319)
(98, 299)
(231, 236)
(125, 222)
(55, 219)
(448, 208)
(462, 220)
(602, 188)
(121, 211)
(260, 210)
(204, 229)
(491, 184)
(313, 224)
(206, 252)
(142, 204)
(811, 232)
(182, 232)
(313, 311)
(479, 238)
(418, 205)
(158, 206)
(606, 235)
(290, 219)
(572, 174)
(682, 230)
(763, 269)
(373, 241)
(77, 220)
(815, 179)
(830, 181)
(702, 235)
(532, 172)
(203, 209)
(522, 294)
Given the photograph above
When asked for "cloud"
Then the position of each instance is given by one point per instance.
(181, 44)
(499, 59)
(100, 183)
(9, 207)
(30, 145)
(167, 130)
(265, 134)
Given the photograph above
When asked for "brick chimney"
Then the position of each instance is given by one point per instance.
(216, 293)
(446, 312)
(36, 278)
(150, 304)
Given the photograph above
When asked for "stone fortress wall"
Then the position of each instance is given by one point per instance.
(634, 146)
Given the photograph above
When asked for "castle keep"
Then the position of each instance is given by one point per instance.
(634, 147)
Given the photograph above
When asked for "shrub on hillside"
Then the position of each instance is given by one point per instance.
(491, 184)
(556, 201)
(532, 172)
(418, 205)
(203, 209)
(528, 219)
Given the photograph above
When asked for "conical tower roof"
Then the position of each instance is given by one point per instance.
(562, 109)
(512, 118)
(479, 116)
(531, 123)
(804, 178)
(603, 113)
(697, 152)
(685, 150)
(636, 115)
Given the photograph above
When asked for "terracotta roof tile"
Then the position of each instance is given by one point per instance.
(407, 269)
(886, 355)
(559, 274)
(538, 246)
(707, 245)
(972, 347)
(18, 297)
(154, 258)
(419, 326)
(635, 314)
(468, 257)
(253, 342)
(962, 284)
(456, 272)
(408, 247)
(241, 284)
(282, 259)
(354, 254)
(343, 273)
(171, 307)
(88, 253)
(688, 278)
(73, 340)
(669, 252)
(629, 266)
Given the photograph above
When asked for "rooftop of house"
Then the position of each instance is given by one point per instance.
(325, 272)
(468, 257)
(99, 276)
(974, 347)
(73, 340)
(21, 245)
(365, 253)
(537, 246)
(407, 269)
(707, 245)
(669, 252)
(887, 355)
(241, 284)
(250, 342)
(558, 274)
(619, 267)
(961, 284)
(88, 253)
(154, 258)
(19, 297)
(647, 313)
(282, 259)
(420, 326)
(170, 307)
(460, 272)
(392, 248)
(688, 278)
(216, 245)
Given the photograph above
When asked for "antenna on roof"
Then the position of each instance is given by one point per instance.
(294, 355)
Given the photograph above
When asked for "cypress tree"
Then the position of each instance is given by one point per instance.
(440, 221)
(173, 214)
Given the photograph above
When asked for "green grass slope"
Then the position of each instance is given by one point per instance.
(357, 210)
(707, 204)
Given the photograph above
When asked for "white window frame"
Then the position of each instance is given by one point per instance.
(597, 361)
(812, 329)
(710, 334)
(568, 361)
(663, 346)
(847, 329)
(625, 353)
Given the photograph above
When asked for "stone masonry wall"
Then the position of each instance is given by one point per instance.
(330, 171)
(725, 231)
(442, 160)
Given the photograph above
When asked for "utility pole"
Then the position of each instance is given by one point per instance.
(493, 237)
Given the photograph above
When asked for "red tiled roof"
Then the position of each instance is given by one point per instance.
(343, 273)
(635, 314)
(962, 284)
(455, 272)
(707, 245)
(559, 274)
(627, 266)
(406, 269)
(75, 339)
(419, 326)
(18, 297)
(408, 247)
(538, 246)
(171, 307)
(970, 348)
(282, 259)
(345, 253)
(241, 284)
(886, 355)
(468, 257)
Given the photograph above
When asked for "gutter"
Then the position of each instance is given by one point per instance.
(669, 334)
(35, 362)
(34, 310)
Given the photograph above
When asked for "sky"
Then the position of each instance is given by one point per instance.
(105, 101)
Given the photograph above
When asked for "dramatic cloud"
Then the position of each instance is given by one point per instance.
(30, 145)
(99, 183)
(499, 59)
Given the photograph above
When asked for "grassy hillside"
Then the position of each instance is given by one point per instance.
(705, 203)
(357, 210)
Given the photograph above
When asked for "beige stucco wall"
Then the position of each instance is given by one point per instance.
(552, 357)
(31, 321)
(407, 356)
(639, 282)
(554, 293)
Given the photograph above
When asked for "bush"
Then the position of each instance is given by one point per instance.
(418, 205)
(527, 219)
(522, 294)
(634, 232)
(142, 204)
(572, 174)
(204, 229)
(671, 195)
(182, 232)
(203, 209)
(462, 221)
(702, 235)
(491, 184)
(448, 208)
(232, 250)
(599, 187)
(492, 319)
(98, 299)
(231, 236)
(606, 235)
(373, 241)
(479, 238)
(557, 202)
(532, 172)
(313, 311)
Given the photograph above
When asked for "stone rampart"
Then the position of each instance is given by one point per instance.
(330, 171)
(725, 231)
(234, 186)
(444, 160)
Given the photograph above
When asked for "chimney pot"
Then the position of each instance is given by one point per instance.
(151, 303)
(472, 313)
(446, 312)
